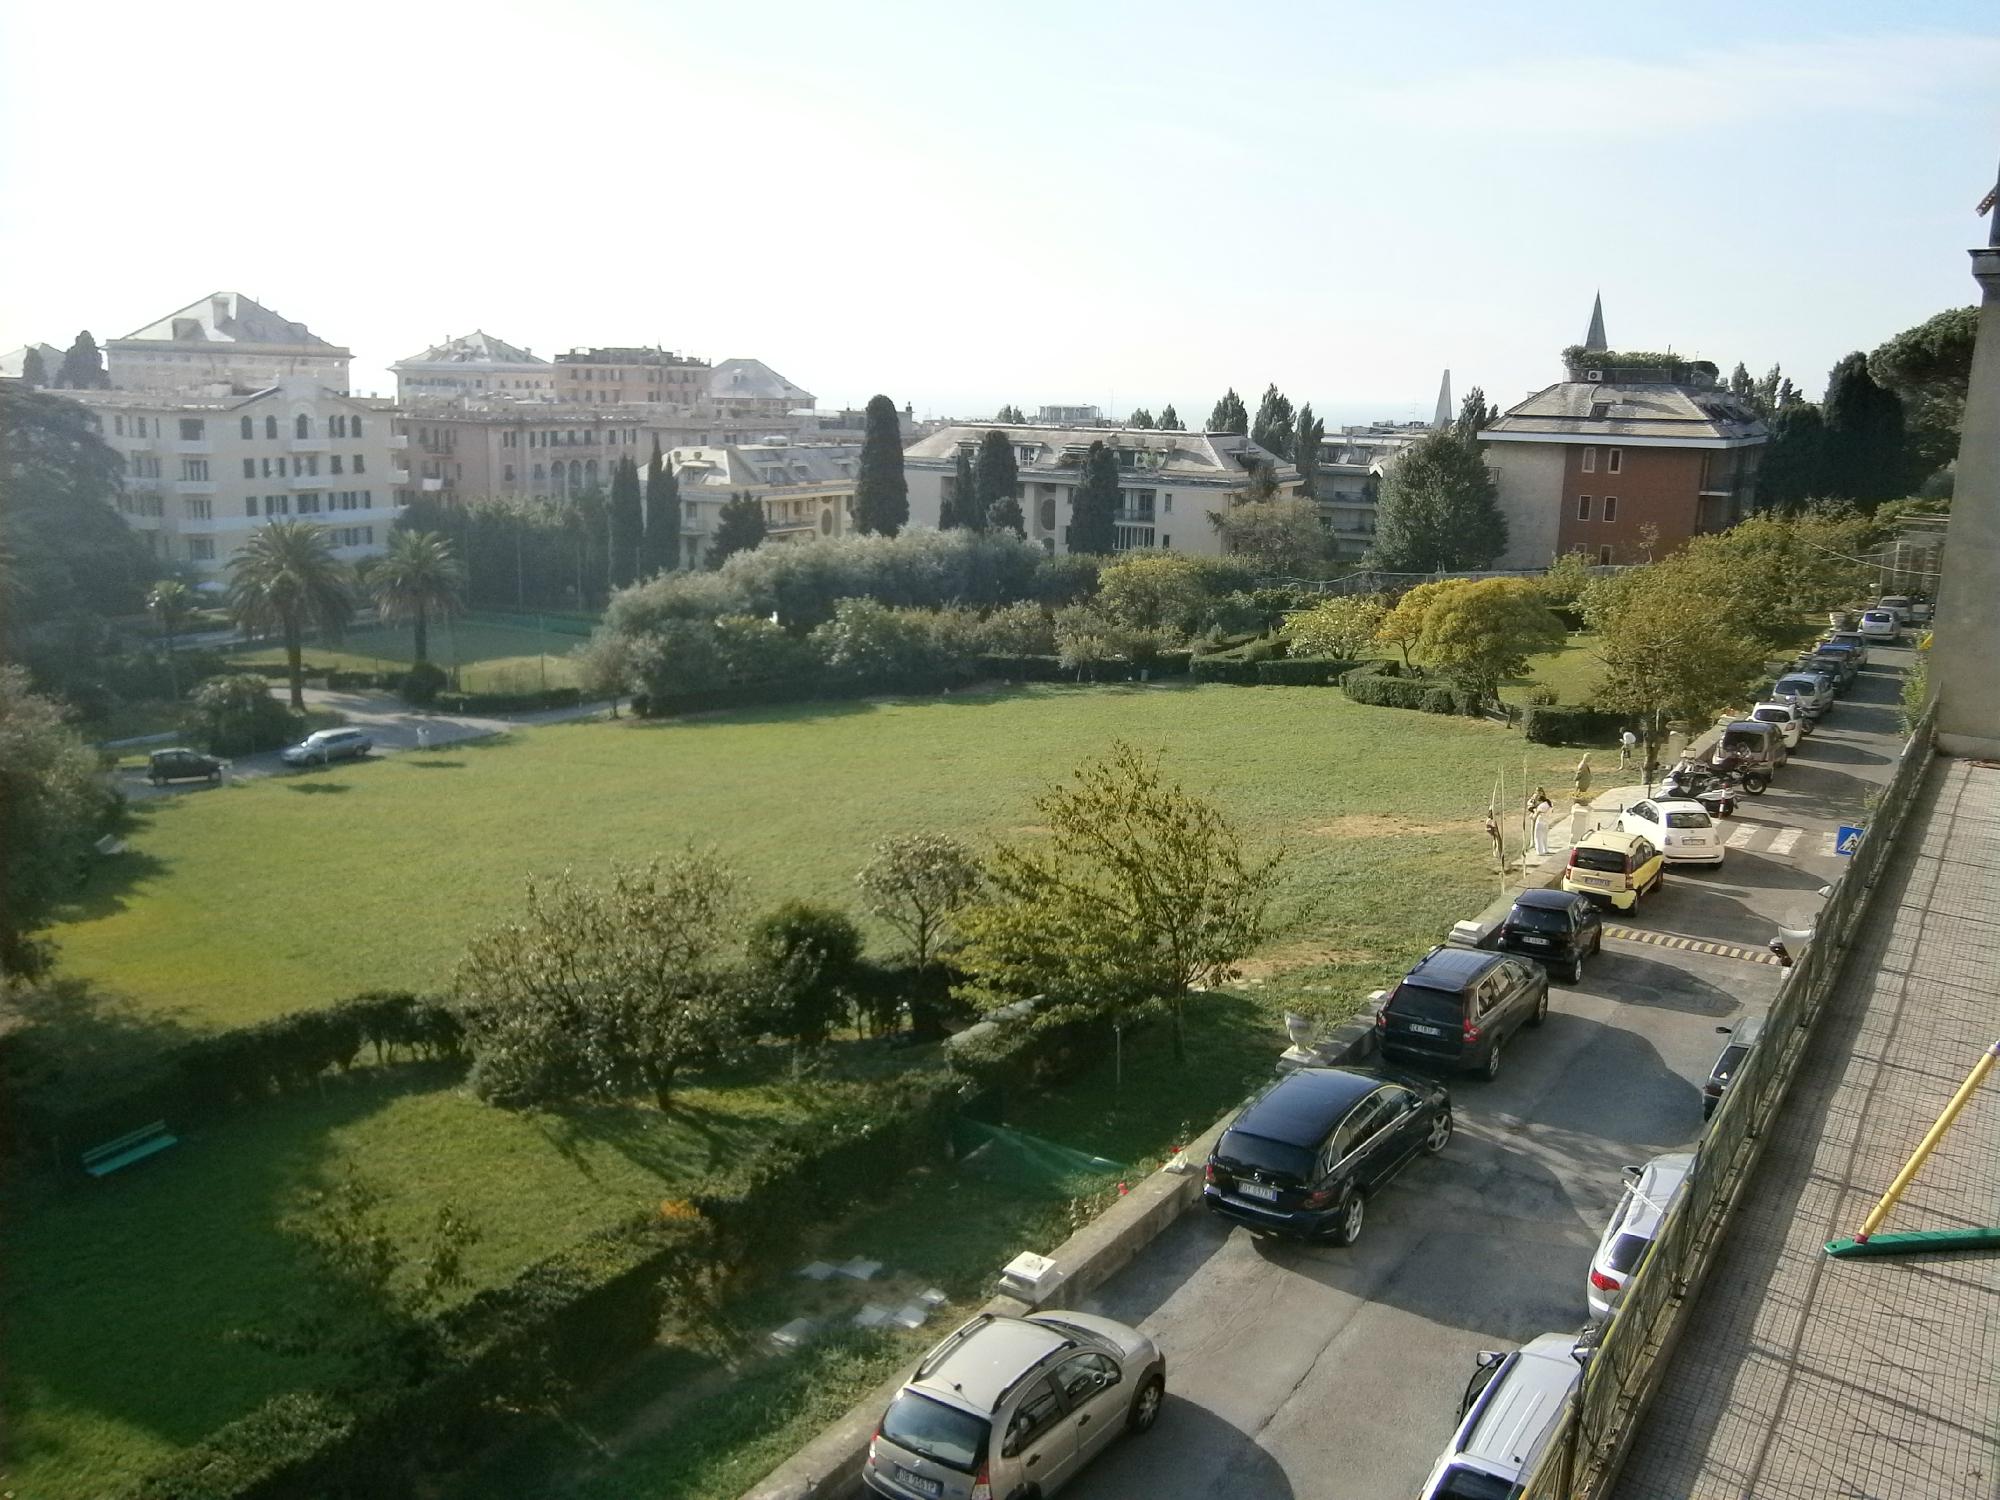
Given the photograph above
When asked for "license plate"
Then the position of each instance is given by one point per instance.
(1536, 942)
(919, 1483)
(1596, 883)
(1426, 1030)
(1257, 1190)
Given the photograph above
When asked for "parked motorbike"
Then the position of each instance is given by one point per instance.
(1716, 793)
(1735, 769)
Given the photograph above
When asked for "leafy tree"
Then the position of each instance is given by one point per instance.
(1140, 892)
(1403, 626)
(1155, 591)
(739, 527)
(1170, 420)
(171, 604)
(34, 370)
(1344, 628)
(1740, 383)
(603, 991)
(1310, 433)
(1274, 536)
(660, 546)
(959, 511)
(881, 491)
(1272, 431)
(1230, 414)
(1765, 395)
(918, 883)
(418, 579)
(1439, 510)
(1864, 435)
(802, 959)
(236, 715)
(1672, 654)
(285, 578)
(54, 803)
(1141, 418)
(1010, 415)
(83, 367)
(1093, 525)
(628, 523)
(1087, 640)
(1479, 633)
(1929, 367)
(1006, 515)
(1474, 416)
(996, 476)
(1793, 468)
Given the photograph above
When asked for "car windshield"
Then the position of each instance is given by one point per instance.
(1742, 744)
(1688, 820)
(1461, 1483)
(944, 1434)
(1804, 686)
(1727, 1064)
(1538, 919)
(1585, 857)
(1420, 1002)
(1626, 1251)
(1257, 1153)
(1772, 715)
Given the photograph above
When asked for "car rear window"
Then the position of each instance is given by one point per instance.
(1804, 686)
(1538, 919)
(943, 1434)
(1460, 1483)
(1772, 715)
(1742, 744)
(1727, 1064)
(1241, 1149)
(1584, 857)
(1420, 1002)
(1627, 1251)
(1688, 820)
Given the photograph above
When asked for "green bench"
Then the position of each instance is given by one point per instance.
(137, 1146)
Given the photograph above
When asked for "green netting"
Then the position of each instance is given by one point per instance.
(1001, 1154)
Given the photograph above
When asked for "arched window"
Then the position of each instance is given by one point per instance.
(354, 426)
(249, 427)
(575, 476)
(337, 426)
(590, 475)
(303, 427)
(540, 474)
(270, 427)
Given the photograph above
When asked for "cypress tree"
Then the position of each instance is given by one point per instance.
(994, 481)
(660, 547)
(1093, 526)
(1305, 451)
(1141, 418)
(1439, 510)
(1170, 420)
(34, 372)
(82, 367)
(1272, 430)
(739, 527)
(1230, 415)
(1864, 435)
(882, 492)
(627, 524)
(956, 511)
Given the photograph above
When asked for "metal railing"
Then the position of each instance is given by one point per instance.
(1581, 1459)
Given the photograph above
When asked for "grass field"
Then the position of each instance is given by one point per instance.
(1574, 672)
(289, 892)
(489, 656)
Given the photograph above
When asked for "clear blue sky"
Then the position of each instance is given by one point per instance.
(961, 205)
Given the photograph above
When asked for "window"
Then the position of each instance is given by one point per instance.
(337, 426)
(1083, 1376)
(354, 426)
(1166, 505)
(1616, 461)
(194, 468)
(1590, 460)
(1040, 1410)
(307, 465)
(277, 505)
(193, 429)
(249, 427)
(270, 427)
(367, 499)
(303, 426)
(201, 549)
(333, 461)
(507, 473)
(1166, 541)
(117, 426)
(1604, 556)
(1362, 1121)
(308, 504)
(249, 468)
(198, 510)
(1583, 507)
(1610, 507)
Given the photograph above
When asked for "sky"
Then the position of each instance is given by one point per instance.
(1118, 204)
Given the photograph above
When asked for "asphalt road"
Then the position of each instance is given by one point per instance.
(1327, 1374)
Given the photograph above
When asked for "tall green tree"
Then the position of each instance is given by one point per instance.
(1093, 511)
(83, 367)
(1793, 467)
(419, 579)
(1272, 431)
(918, 883)
(1764, 395)
(1864, 436)
(881, 491)
(1010, 415)
(1230, 414)
(1928, 367)
(54, 803)
(959, 511)
(1740, 383)
(1140, 418)
(1480, 632)
(660, 546)
(285, 578)
(1474, 416)
(995, 478)
(59, 480)
(1170, 420)
(739, 527)
(628, 523)
(171, 604)
(1274, 536)
(1310, 433)
(1439, 510)
(34, 370)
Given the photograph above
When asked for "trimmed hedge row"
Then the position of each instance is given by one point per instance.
(507, 703)
(1306, 671)
(1567, 724)
(807, 689)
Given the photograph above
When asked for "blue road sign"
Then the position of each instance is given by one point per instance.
(1848, 839)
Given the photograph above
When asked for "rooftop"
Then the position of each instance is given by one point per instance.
(991, 1358)
(1188, 456)
(1296, 1110)
(620, 355)
(752, 379)
(1665, 412)
(229, 318)
(476, 347)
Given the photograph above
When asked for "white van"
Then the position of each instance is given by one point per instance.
(1508, 1410)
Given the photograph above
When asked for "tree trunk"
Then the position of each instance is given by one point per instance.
(1180, 1035)
(422, 631)
(294, 662)
(173, 671)
(663, 1089)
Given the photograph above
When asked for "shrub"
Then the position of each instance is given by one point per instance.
(1022, 629)
(509, 703)
(802, 957)
(1439, 700)
(1557, 724)
(236, 715)
(1238, 614)
(871, 645)
(750, 648)
(1303, 671)
(1165, 591)
(1383, 690)
(422, 683)
(1342, 628)
(1224, 667)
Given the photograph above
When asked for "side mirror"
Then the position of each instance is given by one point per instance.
(1631, 1174)
(1725, 1030)
(1488, 1358)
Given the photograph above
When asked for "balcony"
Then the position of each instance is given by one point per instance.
(196, 446)
(1133, 517)
(398, 441)
(399, 476)
(1724, 488)
(194, 486)
(298, 481)
(432, 486)
(310, 444)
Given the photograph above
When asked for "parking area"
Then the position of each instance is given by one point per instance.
(1320, 1373)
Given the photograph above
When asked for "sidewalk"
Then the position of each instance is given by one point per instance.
(1800, 1376)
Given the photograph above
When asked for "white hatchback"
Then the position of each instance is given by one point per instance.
(1681, 830)
(1650, 1192)
(1789, 717)
(1880, 625)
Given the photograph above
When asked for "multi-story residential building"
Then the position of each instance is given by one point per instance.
(1348, 482)
(1169, 482)
(617, 377)
(1069, 416)
(807, 489)
(1620, 461)
(203, 471)
(227, 340)
(751, 388)
(471, 365)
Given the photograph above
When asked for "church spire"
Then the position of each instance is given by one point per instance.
(1594, 341)
(1445, 414)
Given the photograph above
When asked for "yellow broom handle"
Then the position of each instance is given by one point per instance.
(1929, 1143)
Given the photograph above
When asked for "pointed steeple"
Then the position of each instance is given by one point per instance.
(1594, 341)
(1445, 414)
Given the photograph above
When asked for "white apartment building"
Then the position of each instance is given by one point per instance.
(807, 489)
(1169, 482)
(471, 365)
(203, 471)
(224, 339)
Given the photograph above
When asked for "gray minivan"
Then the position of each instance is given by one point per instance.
(1509, 1409)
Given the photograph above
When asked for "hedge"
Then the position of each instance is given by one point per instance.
(1305, 671)
(1567, 724)
(1225, 667)
(506, 703)
(1382, 689)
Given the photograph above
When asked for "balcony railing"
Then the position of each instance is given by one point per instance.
(399, 476)
(432, 486)
(311, 444)
(398, 441)
(1133, 517)
(194, 486)
(190, 445)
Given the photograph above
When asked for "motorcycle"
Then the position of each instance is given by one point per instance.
(1716, 794)
(1736, 770)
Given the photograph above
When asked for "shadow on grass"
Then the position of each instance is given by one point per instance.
(416, 764)
(68, 1042)
(110, 877)
(315, 786)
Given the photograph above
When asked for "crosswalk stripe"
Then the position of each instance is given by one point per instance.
(1829, 846)
(1782, 844)
(1743, 834)
(1689, 944)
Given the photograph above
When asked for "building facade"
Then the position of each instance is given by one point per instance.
(638, 377)
(806, 489)
(473, 365)
(225, 339)
(1347, 483)
(750, 389)
(1169, 482)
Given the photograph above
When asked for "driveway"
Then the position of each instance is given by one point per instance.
(1326, 1374)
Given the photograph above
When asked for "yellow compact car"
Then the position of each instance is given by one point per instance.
(1616, 867)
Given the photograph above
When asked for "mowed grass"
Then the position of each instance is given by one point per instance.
(1575, 672)
(285, 893)
(489, 656)
(125, 1299)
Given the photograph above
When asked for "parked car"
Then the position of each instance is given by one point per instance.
(1840, 659)
(1900, 605)
(324, 746)
(1750, 748)
(1680, 829)
(182, 764)
(1459, 1007)
(1054, 1387)
(1558, 928)
(1304, 1156)
(1650, 1192)
(1744, 1035)
(1788, 716)
(1849, 640)
(1508, 1410)
(1880, 625)
(1812, 690)
(1615, 867)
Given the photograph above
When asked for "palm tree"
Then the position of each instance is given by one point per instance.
(170, 604)
(418, 578)
(286, 578)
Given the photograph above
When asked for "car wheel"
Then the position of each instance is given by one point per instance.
(1352, 1213)
(1146, 1405)
(1440, 1135)
(1576, 969)
(215, 777)
(1756, 785)
(157, 780)
(1542, 1005)
(1492, 1069)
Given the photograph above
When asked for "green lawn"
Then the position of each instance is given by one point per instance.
(274, 895)
(489, 656)
(1574, 672)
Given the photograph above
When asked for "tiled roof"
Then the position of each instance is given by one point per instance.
(1185, 455)
(476, 347)
(753, 380)
(228, 318)
(1590, 409)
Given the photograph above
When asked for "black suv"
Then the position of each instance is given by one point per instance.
(1304, 1154)
(1459, 1006)
(181, 764)
(1559, 928)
